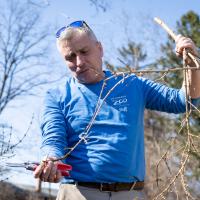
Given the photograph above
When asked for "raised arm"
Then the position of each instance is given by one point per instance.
(194, 75)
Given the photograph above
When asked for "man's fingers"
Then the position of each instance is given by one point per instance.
(58, 176)
(52, 174)
(48, 172)
(185, 43)
(178, 37)
(45, 176)
(38, 171)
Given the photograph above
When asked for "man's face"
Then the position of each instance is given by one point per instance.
(83, 56)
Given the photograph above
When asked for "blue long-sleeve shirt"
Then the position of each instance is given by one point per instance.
(114, 151)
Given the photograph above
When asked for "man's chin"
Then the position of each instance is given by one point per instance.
(84, 80)
(88, 78)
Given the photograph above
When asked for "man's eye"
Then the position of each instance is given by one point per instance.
(70, 57)
(84, 52)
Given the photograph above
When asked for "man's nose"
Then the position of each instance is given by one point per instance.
(80, 61)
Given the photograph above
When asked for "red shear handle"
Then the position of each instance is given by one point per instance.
(63, 168)
(64, 173)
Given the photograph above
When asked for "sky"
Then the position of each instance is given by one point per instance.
(123, 18)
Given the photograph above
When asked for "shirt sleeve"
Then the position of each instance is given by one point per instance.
(53, 127)
(162, 98)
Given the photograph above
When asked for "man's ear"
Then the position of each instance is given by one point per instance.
(100, 48)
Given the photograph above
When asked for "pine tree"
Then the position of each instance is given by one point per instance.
(161, 128)
(189, 26)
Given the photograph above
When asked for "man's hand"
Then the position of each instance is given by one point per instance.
(185, 43)
(193, 80)
(47, 171)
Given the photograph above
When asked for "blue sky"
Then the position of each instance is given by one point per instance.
(123, 18)
(134, 16)
(82, 9)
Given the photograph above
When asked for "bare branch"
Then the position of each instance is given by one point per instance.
(22, 41)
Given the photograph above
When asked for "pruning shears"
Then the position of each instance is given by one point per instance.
(63, 168)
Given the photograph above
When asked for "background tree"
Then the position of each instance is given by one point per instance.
(100, 5)
(23, 53)
(23, 47)
(162, 134)
(189, 25)
(132, 54)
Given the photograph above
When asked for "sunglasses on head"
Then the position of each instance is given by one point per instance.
(76, 24)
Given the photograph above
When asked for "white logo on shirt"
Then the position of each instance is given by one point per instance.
(121, 102)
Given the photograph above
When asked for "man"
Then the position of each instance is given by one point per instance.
(109, 161)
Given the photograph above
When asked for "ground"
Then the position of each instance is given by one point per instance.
(9, 191)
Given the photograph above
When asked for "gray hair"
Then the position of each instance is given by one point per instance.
(71, 32)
